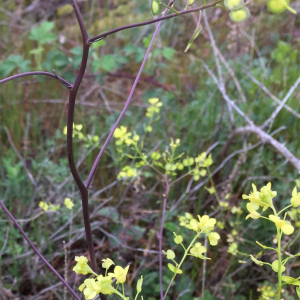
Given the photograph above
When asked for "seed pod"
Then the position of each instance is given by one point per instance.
(240, 14)
(231, 4)
(191, 2)
(155, 7)
(278, 6)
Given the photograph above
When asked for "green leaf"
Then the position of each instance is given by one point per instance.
(170, 254)
(107, 63)
(41, 33)
(130, 48)
(174, 269)
(298, 292)
(12, 62)
(76, 50)
(168, 53)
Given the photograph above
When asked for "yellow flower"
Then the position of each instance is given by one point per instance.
(119, 273)
(285, 226)
(44, 205)
(68, 203)
(107, 263)
(206, 223)
(252, 208)
(254, 196)
(266, 195)
(92, 289)
(213, 238)
(153, 101)
(295, 201)
(127, 172)
(82, 267)
(105, 285)
(198, 250)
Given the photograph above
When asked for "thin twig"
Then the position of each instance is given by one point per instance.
(37, 251)
(180, 13)
(60, 79)
(263, 87)
(219, 69)
(279, 107)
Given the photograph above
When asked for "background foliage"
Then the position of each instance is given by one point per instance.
(126, 213)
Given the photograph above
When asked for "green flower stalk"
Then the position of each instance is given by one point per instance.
(264, 199)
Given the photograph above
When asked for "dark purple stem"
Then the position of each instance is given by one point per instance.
(180, 13)
(166, 196)
(61, 80)
(37, 251)
(72, 97)
(95, 165)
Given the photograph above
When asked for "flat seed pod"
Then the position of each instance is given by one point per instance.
(155, 7)
(278, 6)
(240, 14)
(191, 2)
(233, 3)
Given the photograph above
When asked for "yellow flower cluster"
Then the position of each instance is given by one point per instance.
(204, 224)
(264, 199)
(285, 226)
(266, 291)
(123, 137)
(154, 107)
(77, 132)
(49, 207)
(127, 172)
(198, 250)
(82, 267)
(68, 203)
(91, 287)
(259, 199)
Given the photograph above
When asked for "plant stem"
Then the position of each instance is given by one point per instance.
(279, 262)
(284, 209)
(181, 262)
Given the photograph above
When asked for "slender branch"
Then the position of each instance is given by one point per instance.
(226, 98)
(219, 69)
(61, 80)
(96, 163)
(37, 251)
(183, 12)
(270, 94)
(266, 138)
(279, 107)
